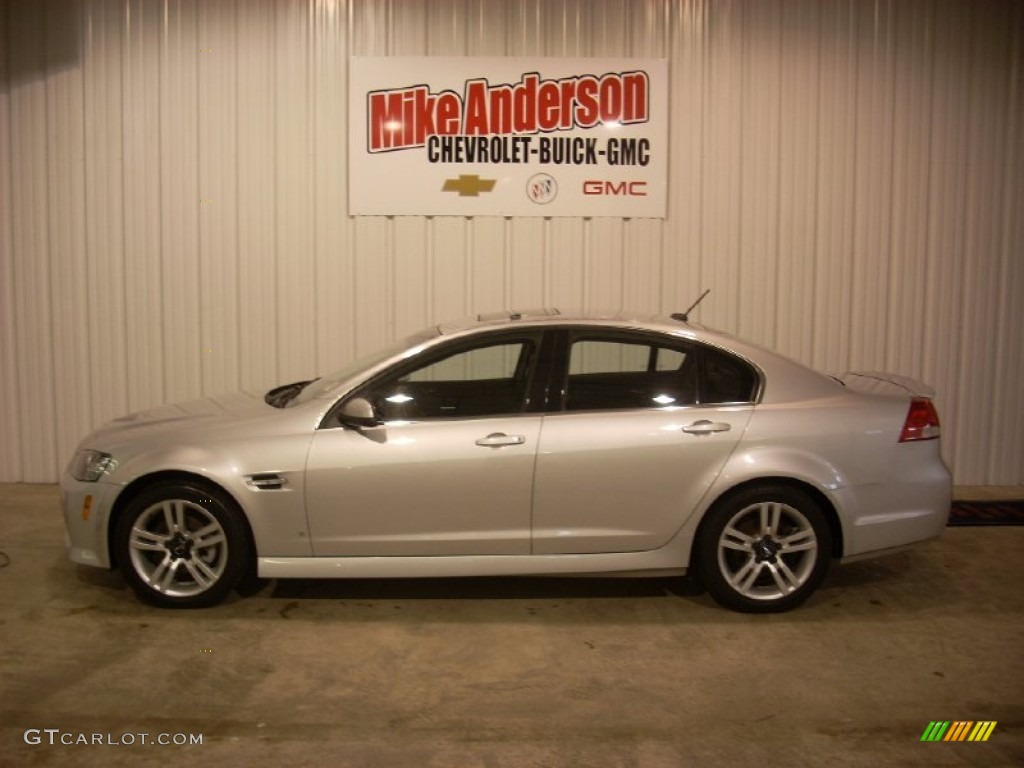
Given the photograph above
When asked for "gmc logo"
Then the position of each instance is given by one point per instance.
(615, 188)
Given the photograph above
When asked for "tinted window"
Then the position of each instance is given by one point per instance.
(489, 379)
(481, 364)
(608, 373)
(727, 379)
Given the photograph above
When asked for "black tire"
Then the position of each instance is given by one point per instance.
(182, 545)
(764, 549)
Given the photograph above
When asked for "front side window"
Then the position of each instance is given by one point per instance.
(487, 379)
(612, 374)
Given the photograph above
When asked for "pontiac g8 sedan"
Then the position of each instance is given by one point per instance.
(530, 444)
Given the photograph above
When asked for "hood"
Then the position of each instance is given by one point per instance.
(219, 412)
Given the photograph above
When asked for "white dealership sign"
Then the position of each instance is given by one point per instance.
(441, 136)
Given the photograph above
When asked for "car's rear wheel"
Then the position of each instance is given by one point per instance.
(182, 545)
(764, 549)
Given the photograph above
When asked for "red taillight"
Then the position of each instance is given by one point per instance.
(922, 421)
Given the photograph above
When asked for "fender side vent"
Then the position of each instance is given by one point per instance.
(266, 481)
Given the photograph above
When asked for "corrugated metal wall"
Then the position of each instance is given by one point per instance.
(846, 176)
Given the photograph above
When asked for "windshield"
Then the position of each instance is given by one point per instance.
(326, 384)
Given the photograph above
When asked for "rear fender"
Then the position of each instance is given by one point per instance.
(758, 463)
(768, 465)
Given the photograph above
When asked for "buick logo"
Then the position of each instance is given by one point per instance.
(541, 188)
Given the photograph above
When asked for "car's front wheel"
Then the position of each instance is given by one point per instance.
(764, 549)
(181, 545)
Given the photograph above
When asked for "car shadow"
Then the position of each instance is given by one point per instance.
(905, 583)
(482, 588)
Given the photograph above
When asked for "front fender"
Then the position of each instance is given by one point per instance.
(276, 515)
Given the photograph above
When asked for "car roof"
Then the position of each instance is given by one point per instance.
(555, 316)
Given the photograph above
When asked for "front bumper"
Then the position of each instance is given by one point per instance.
(87, 509)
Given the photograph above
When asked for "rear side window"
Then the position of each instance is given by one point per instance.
(726, 379)
(643, 373)
(611, 374)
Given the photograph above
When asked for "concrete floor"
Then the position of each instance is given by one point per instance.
(503, 672)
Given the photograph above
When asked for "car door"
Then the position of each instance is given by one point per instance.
(644, 425)
(449, 470)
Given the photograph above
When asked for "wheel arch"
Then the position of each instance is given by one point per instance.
(145, 482)
(816, 494)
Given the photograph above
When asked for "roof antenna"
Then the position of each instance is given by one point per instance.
(685, 316)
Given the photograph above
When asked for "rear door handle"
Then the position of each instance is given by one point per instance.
(498, 439)
(705, 427)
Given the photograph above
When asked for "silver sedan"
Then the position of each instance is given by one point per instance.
(525, 443)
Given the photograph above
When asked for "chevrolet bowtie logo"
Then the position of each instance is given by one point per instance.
(468, 186)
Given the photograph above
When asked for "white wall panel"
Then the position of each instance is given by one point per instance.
(68, 263)
(602, 269)
(564, 251)
(524, 262)
(451, 268)
(181, 198)
(217, 115)
(872, 188)
(487, 259)
(844, 176)
(331, 234)
(800, 83)
(641, 263)
(11, 444)
(985, 168)
(141, 128)
(411, 274)
(104, 207)
(683, 238)
(1003, 448)
(835, 184)
(908, 242)
(370, 291)
(258, 340)
(32, 305)
(293, 188)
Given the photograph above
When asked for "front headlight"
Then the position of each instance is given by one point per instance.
(89, 466)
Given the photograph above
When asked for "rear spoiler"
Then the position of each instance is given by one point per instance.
(882, 383)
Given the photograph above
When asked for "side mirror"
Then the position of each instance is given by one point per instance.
(358, 412)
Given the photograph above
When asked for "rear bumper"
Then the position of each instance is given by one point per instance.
(896, 513)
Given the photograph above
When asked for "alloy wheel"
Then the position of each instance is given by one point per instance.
(178, 548)
(767, 550)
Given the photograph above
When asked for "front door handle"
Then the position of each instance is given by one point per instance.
(705, 427)
(498, 439)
